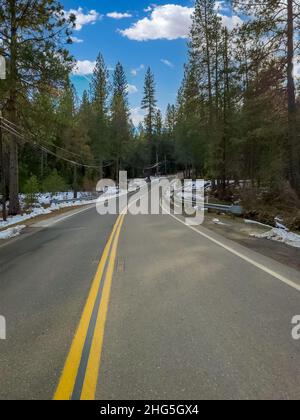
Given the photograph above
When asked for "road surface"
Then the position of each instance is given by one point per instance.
(143, 307)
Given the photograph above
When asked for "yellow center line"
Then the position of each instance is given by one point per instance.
(93, 367)
(67, 381)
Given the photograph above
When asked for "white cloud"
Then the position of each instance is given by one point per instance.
(82, 19)
(131, 89)
(170, 22)
(219, 5)
(135, 72)
(231, 21)
(118, 16)
(76, 40)
(137, 115)
(84, 67)
(167, 63)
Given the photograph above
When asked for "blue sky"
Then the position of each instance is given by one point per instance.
(138, 34)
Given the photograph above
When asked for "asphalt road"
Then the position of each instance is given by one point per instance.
(45, 277)
(172, 314)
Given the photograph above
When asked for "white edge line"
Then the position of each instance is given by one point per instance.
(90, 206)
(61, 219)
(240, 255)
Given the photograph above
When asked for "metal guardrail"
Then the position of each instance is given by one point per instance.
(233, 209)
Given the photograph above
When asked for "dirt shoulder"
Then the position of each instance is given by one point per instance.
(237, 230)
(42, 217)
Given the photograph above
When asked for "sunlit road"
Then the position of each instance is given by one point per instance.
(161, 312)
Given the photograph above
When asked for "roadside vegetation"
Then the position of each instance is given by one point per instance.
(235, 121)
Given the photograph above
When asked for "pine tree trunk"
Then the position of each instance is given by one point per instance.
(225, 111)
(101, 170)
(293, 155)
(75, 185)
(2, 175)
(208, 58)
(14, 206)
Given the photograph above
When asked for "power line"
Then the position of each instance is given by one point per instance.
(106, 163)
(9, 127)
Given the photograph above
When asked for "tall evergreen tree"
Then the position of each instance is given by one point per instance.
(99, 102)
(170, 121)
(119, 118)
(32, 41)
(149, 103)
(279, 22)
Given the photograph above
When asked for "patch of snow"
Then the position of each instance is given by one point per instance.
(218, 222)
(279, 225)
(47, 199)
(38, 210)
(280, 235)
(26, 216)
(194, 185)
(11, 232)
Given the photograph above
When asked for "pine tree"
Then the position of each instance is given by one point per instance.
(279, 22)
(119, 115)
(32, 40)
(170, 121)
(149, 105)
(99, 102)
(204, 50)
(73, 135)
(99, 88)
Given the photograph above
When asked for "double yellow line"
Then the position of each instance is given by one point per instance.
(80, 374)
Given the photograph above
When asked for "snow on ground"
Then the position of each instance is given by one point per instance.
(218, 222)
(280, 235)
(53, 205)
(194, 185)
(55, 202)
(190, 196)
(47, 203)
(38, 210)
(11, 232)
(48, 198)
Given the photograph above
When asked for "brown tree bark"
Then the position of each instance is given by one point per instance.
(2, 177)
(14, 206)
(293, 147)
(75, 183)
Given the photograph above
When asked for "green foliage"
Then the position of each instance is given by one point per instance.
(54, 183)
(31, 189)
(149, 103)
(120, 130)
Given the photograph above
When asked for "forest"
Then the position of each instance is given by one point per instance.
(235, 121)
